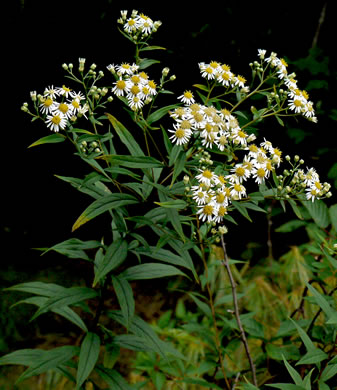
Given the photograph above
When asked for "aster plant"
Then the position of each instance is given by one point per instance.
(186, 172)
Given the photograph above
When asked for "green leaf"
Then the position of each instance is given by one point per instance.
(125, 298)
(146, 62)
(132, 342)
(68, 296)
(125, 136)
(313, 356)
(150, 271)
(277, 352)
(202, 87)
(329, 371)
(103, 204)
(65, 311)
(242, 210)
(319, 212)
(293, 373)
(305, 338)
(203, 383)
(74, 248)
(49, 360)
(158, 114)
(147, 48)
(321, 301)
(333, 216)
(115, 256)
(286, 386)
(178, 204)
(38, 288)
(114, 380)
(49, 139)
(133, 161)
(23, 357)
(295, 208)
(89, 353)
(201, 305)
(165, 256)
(290, 226)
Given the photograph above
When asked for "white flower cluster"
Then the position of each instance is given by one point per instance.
(60, 105)
(138, 24)
(136, 86)
(298, 100)
(215, 127)
(311, 182)
(222, 74)
(214, 193)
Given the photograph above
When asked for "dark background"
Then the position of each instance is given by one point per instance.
(38, 210)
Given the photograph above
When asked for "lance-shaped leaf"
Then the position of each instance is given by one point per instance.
(324, 305)
(133, 161)
(49, 360)
(49, 139)
(65, 311)
(113, 379)
(144, 331)
(115, 255)
(150, 271)
(38, 288)
(88, 357)
(156, 115)
(125, 298)
(68, 296)
(125, 136)
(74, 248)
(103, 204)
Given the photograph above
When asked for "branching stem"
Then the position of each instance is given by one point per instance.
(237, 313)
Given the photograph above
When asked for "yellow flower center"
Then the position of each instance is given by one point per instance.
(240, 171)
(180, 133)
(208, 210)
(48, 102)
(185, 124)
(261, 172)
(56, 119)
(207, 174)
(222, 211)
(188, 94)
(220, 198)
(63, 108)
(120, 84)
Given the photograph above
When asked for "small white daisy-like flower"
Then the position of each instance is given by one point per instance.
(75, 104)
(47, 106)
(64, 109)
(200, 195)
(135, 102)
(50, 92)
(219, 213)
(259, 174)
(187, 98)
(208, 71)
(151, 85)
(261, 53)
(206, 176)
(56, 122)
(241, 172)
(295, 104)
(131, 25)
(237, 191)
(180, 136)
(120, 87)
(206, 212)
(125, 68)
(311, 194)
(63, 91)
(77, 95)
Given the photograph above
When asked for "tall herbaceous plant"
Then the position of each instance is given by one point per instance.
(173, 179)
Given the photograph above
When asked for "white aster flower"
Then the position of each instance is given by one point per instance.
(180, 136)
(64, 109)
(56, 122)
(63, 91)
(187, 98)
(47, 105)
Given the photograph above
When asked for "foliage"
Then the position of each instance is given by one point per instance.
(167, 183)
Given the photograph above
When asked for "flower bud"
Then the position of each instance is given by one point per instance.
(165, 71)
(223, 229)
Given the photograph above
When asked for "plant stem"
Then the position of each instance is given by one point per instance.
(217, 340)
(237, 313)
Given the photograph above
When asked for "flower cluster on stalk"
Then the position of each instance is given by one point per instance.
(58, 106)
(298, 100)
(138, 26)
(132, 84)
